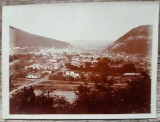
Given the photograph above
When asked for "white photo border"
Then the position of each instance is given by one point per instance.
(5, 77)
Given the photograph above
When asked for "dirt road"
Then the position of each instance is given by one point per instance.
(37, 81)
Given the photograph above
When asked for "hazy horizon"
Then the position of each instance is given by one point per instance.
(74, 43)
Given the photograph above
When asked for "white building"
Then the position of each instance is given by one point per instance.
(26, 67)
(131, 74)
(77, 63)
(69, 73)
(56, 66)
(49, 72)
(76, 75)
(72, 74)
(33, 76)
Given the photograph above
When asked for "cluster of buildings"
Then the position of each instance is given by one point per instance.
(49, 61)
(80, 61)
(71, 73)
(59, 66)
(48, 66)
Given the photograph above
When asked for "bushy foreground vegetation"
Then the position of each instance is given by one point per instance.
(102, 100)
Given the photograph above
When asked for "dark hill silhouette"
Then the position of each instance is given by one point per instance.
(136, 41)
(20, 38)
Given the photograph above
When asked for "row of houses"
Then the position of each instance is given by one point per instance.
(68, 73)
(36, 75)
(49, 66)
(88, 77)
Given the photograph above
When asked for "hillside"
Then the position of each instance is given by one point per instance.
(20, 38)
(136, 41)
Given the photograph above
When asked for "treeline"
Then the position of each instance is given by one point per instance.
(103, 100)
(20, 56)
(105, 65)
(63, 78)
(26, 102)
(134, 99)
(24, 57)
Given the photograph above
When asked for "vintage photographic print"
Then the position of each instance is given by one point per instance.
(95, 60)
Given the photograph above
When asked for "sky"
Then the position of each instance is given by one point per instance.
(80, 22)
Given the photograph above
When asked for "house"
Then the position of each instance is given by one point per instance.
(76, 75)
(94, 61)
(69, 73)
(26, 67)
(33, 76)
(131, 74)
(76, 63)
(72, 74)
(49, 72)
(56, 66)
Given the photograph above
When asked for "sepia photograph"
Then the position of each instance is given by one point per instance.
(92, 60)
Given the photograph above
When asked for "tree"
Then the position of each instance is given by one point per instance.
(23, 101)
(128, 68)
(11, 82)
(140, 93)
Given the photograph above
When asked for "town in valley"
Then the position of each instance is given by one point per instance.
(91, 78)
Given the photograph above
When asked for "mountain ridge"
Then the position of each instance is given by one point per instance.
(21, 38)
(135, 41)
